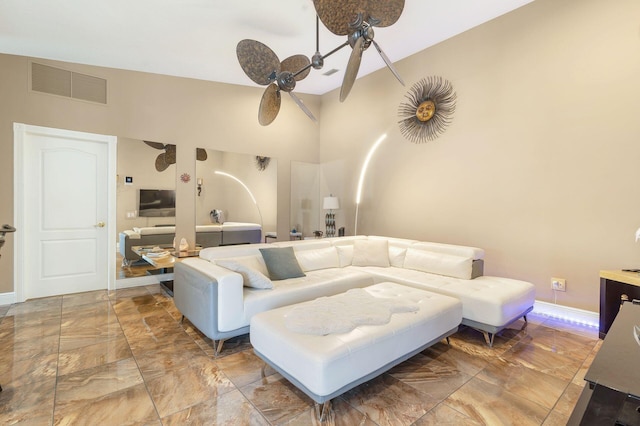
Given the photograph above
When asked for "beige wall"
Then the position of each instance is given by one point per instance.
(538, 166)
(188, 113)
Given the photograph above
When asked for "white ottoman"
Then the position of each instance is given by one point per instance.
(325, 366)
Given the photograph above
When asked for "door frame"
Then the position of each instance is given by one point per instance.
(19, 188)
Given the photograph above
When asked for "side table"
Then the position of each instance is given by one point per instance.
(167, 285)
(614, 287)
(612, 393)
(163, 265)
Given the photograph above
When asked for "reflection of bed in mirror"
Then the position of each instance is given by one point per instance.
(229, 233)
(237, 186)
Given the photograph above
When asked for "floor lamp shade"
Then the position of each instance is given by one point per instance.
(330, 203)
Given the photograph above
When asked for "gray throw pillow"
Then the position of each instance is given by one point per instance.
(281, 263)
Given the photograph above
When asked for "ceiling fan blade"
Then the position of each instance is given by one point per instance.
(269, 105)
(337, 15)
(352, 68)
(258, 61)
(387, 61)
(295, 63)
(385, 12)
(156, 145)
(161, 162)
(303, 106)
(170, 154)
(201, 154)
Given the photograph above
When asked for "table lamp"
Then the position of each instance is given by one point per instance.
(330, 203)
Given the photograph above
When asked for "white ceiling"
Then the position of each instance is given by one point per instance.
(198, 38)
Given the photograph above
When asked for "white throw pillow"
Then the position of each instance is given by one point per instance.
(370, 253)
(438, 263)
(250, 277)
(254, 262)
(396, 256)
(345, 254)
(311, 260)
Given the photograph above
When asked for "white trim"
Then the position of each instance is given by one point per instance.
(567, 313)
(112, 183)
(19, 131)
(18, 203)
(589, 318)
(7, 298)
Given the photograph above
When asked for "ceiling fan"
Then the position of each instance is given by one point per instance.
(262, 66)
(355, 18)
(168, 157)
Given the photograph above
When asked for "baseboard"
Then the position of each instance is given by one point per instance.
(142, 281)
(7, 298)
(567, 313)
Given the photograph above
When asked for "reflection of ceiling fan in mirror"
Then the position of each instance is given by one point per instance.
(355, 19)
(168, 157)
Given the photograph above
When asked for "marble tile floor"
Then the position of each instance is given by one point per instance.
(124, 359)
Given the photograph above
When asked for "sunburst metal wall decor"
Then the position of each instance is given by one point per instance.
(430, 105)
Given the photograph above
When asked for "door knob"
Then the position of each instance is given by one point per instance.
(100, 225)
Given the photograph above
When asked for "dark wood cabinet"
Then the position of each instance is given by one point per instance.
(612, 393)
(614, 285)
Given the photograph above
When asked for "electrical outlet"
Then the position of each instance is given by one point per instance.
(558, 284)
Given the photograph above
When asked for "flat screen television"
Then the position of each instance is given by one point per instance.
(157, 203)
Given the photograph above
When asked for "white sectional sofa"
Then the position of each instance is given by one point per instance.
(221, 291)
(213, 235)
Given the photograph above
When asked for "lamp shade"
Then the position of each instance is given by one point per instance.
(330, 203)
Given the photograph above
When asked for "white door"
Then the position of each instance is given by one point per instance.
(64, 244)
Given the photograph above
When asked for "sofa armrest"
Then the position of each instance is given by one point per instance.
(210, 296)
(477, 268)
(128, 239)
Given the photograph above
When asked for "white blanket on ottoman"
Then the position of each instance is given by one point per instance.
(344, 312)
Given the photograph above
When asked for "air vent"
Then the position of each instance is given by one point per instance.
(330, 72)
(57, 81)
(50, 80)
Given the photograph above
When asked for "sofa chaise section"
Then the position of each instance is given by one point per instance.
(489, 304)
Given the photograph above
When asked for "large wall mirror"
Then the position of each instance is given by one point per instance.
(137, 173)
(306, 211)
(146, 186)
(242, 186)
